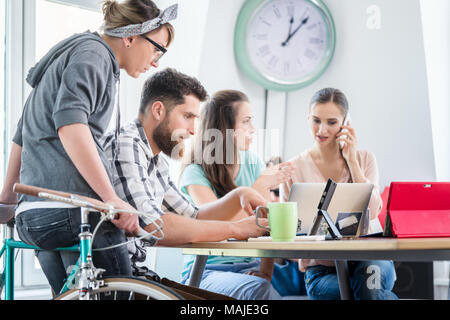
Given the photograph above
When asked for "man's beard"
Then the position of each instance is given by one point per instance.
(162, 136)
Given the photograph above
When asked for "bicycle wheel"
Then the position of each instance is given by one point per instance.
(129, 288)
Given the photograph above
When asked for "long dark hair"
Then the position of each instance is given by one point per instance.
(218, 116)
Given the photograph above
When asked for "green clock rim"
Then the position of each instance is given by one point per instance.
(240, 50)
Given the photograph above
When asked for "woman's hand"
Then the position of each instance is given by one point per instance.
(8, 197)
(349, 154)
(128, 222)
(273, 176)
(260, 274)
(349, 149)
(265, 269)
(250, 199)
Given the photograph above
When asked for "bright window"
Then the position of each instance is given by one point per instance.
(2, 100)
(2, 89)
(55, 22)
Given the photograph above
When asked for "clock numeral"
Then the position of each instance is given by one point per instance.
(310, 54)
(287, 67)
(264, 50)
(299, 62)
(260, 36)
(312, 26)
(291, 10)
(316, 41)
(306, 14)
(273, 62)
(265, 22)
(277, 12)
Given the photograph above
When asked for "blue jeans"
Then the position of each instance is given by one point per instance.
(231, 280)
(288, 280)
(369, 280)
(49, 229)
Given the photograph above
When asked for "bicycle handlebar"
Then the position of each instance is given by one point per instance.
(78, 201)
(69, 198)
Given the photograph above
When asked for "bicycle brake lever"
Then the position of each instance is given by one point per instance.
(110, 215)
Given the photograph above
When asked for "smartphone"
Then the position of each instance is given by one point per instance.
(346, 122)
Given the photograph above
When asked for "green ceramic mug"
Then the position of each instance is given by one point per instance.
(283, 220)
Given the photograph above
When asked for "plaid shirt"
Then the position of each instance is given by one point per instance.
(142, 179)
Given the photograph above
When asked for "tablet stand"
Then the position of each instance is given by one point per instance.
(322, 214)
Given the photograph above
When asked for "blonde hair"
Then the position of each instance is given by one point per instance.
(116, 15)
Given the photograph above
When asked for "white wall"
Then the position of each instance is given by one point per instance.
(2, 87)
(219, 70)
(436, 28)
(382, 71)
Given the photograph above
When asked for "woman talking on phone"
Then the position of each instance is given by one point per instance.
(334, 155)
(57, 144)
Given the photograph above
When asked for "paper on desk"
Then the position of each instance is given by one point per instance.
(297, 238)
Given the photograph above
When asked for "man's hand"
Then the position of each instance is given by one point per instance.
(247, 228)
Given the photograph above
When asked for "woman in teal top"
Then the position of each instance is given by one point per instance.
(221, 161)
(251, 168)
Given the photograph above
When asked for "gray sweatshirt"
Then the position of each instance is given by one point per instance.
(74, 83)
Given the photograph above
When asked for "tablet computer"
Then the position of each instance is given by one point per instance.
(348, 197)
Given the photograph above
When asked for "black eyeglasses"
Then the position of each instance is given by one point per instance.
(161, 50)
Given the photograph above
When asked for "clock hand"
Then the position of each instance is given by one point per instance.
(304, 21)
(291, 22)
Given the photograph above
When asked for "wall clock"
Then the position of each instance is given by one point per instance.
(284, 45)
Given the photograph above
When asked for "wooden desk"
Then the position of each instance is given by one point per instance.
(417, 249)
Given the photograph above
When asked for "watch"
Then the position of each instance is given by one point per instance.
(284, 45)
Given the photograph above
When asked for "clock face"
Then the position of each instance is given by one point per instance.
(288, 42)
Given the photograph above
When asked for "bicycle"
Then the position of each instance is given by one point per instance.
(85, 282)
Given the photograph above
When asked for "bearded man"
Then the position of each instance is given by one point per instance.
(170, 104)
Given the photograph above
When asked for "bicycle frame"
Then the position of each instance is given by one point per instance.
(10, 245)
(85, 274)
